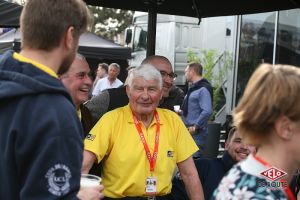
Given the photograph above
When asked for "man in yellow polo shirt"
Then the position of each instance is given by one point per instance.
(140, 145)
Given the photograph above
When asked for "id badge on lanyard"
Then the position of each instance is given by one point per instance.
(151, 185)
(151, 181)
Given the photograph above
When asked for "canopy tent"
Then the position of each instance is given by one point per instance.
(94, 46)
(9, 14)
(193, 8)
(8, 40)
(90, 45)
(96, 49)
(199, 8)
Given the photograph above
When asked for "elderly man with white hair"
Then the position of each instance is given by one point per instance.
(140, 145)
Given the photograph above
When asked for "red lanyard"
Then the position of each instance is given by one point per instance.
(287, 189)
(152, 159)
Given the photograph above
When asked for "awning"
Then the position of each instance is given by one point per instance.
(199, 8)
(9, 14)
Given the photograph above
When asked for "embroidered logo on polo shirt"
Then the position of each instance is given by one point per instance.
(90, 137)
(58, 178)
(170, 154)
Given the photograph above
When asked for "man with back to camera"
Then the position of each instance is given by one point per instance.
(211, 171)
(197, 105)
(110, 81)
(40, 134)
(140, 144)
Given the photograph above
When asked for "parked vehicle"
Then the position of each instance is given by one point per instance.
(176, 35)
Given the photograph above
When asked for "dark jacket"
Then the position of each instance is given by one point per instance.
(211, 172)
(40, 135)
(175, 97)
(106, 101)
(87, 120)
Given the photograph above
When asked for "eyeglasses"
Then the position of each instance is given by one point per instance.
(171, 75)
(82, 75)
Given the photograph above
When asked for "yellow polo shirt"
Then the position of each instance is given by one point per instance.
(115, 140)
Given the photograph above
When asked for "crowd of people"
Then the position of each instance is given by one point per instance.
(57, 123)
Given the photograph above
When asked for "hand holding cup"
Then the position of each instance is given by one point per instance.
(177, 109)
(90, 187)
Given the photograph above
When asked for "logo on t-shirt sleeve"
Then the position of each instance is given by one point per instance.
(58, 178)
(170, 154)
(90, 137)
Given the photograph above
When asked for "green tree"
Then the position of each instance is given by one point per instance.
(216, 76)
(108, 22)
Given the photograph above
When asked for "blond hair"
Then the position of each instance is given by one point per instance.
(272, 91)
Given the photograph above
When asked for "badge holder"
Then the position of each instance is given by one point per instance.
(151, 187)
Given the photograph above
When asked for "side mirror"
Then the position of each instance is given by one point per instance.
(128, 35)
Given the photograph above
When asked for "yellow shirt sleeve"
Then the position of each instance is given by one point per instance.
(185, 143)
(98, 140)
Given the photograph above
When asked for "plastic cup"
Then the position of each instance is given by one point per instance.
(176, 108)
(89, 180)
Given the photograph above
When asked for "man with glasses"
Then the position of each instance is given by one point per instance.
(172, 95)
(78, 82)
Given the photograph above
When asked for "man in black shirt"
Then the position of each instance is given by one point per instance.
(211, 171)
(172, 95)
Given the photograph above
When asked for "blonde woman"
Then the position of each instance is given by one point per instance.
(268, 115)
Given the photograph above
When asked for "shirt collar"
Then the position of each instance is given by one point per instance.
(79, 113)
(129, 117)
(42, 67)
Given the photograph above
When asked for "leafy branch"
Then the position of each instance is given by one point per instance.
(108, 22)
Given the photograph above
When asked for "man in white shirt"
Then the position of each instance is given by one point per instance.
(110, 81)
